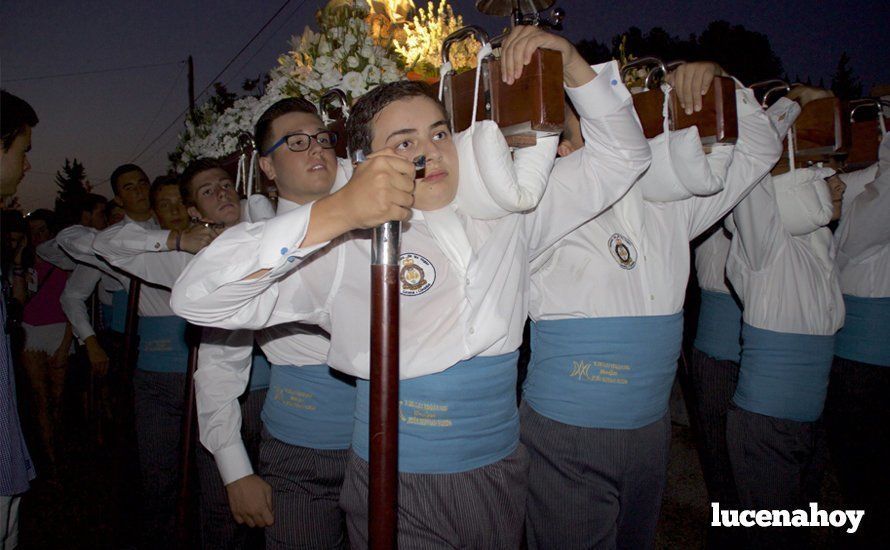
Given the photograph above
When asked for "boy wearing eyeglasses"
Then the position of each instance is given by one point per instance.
(308, 411)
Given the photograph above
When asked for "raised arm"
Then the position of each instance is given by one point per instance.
(77, 242)
(157, 256)
(758, 148)
(51, 252)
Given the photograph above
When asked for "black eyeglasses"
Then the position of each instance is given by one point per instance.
(299, 141)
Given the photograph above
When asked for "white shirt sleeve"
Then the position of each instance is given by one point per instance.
(224, 362)
(758, 226)
(141, 252)
(757, 150)
(51, 252)
(78, 288)
(866, 225)
(213, 289)
(590, 180)
(77, 242)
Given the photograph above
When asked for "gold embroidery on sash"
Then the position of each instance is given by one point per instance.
(422, 413)
(609, 373)
(294, 399)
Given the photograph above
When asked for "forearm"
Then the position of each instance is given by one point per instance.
(224, 362)
(758, 225)
(232, 283)
(756, 152)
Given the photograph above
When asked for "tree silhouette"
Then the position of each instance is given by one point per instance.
(844, 83)
(70, 181)
(745, 54)
(593, 51)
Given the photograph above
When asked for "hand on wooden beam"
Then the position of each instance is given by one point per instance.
(521, 43)
(691, 81)
(804, 94)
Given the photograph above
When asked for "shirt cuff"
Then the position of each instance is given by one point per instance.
(233, 463)
(82, 333)
(281, 238)
(745, 102)
(603, 95)
(156, 240)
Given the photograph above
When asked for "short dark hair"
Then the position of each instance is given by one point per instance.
(159, 183)
(120, 171)
(109, 207)
(45, 215)
(15, 115)
(262, 132)
(194, 168)
(361, 115)
(89, 202)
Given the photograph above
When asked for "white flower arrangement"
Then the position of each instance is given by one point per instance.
(424, 34)
(343, 54)
(353, 50)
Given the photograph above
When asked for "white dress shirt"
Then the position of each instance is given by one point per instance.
(81, 284)
(447, 317)
(77, 241)
(863, 236)
(710, 261)
(582, 276)
(78, 288)
(787, 283)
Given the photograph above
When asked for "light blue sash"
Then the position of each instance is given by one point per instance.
(106, 314)
(866, 333)
(784, 375)
(119, 311)
(456, 420)
(606, 372)
(310, 406)
(162, 346)
(719, 326)
(260, 371)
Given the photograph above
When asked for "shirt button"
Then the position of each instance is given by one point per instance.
(467, 280)
(652, 296)
(472, 330)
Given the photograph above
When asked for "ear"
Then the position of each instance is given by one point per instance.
(117, 200)
(193, 213)
(267, 167)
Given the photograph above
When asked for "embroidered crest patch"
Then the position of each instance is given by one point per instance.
(623, 250)
(416, 274)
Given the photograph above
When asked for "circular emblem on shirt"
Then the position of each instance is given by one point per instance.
(623, 250)
(416, 274)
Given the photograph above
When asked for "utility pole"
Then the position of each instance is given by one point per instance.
(191, 89)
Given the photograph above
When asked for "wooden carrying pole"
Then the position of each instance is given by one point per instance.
(131, 326)
(384, 416)
(384, 402)
(187, 441)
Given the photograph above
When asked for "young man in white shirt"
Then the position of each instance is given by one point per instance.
(606, 305)
(856, 412)
(205, 193)
(159, 377)
(781, 263)
(462, 470)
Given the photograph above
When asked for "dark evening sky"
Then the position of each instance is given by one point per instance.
(107, 118)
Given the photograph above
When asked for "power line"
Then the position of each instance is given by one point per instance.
(160, 108)
(266, 41)
(97, 71)
(214, 79)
